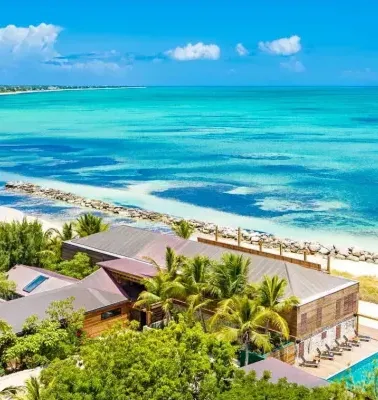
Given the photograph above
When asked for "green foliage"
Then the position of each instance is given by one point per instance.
(7, 287)
(178, 363)
(78, 267)
(248, 387)
(89, 224)
(21, 243)
(183, 229)
(41, 341)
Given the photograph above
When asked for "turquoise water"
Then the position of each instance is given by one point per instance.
(298, 162)
(359, 373)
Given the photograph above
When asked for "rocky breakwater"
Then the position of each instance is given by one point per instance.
(246, 236)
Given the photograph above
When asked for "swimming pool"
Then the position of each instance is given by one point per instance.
(358, 372)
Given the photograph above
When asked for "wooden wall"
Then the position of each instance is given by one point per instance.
(286, 354)
(94, 326)
(323, 313)
(69, 250)
(229, 246)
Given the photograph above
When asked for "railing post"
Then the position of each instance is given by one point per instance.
(280, 249)
(260, 244)
(239, 236)
(329, 263)
(216, 233)
(305, 255)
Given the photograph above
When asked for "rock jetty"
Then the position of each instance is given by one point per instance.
(268, 240)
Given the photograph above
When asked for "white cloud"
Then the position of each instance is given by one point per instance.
(97, 67)
(364, 74)
(282, 47)
(29, 42)
(241, 50)
(195, 52)
(293, 65)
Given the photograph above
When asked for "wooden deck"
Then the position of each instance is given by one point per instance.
(328, 368)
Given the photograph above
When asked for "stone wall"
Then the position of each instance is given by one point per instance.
(311, 344)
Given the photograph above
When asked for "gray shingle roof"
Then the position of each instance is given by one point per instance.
(126, 241)
(94, 292)
(279, 369)
(22, 275)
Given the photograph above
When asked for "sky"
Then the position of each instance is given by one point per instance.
(180, 42)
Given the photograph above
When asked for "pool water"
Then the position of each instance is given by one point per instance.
(359, 372)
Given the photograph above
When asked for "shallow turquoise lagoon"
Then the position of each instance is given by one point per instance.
(298, 162)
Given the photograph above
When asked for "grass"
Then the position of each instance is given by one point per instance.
(368, 285)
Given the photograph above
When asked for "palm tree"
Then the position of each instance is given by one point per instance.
(173, 263)
(89, 224)
(196, 284)
(230, 276)
(183, 229)
(159, 289)
(67, 232)
(31, 391)
(238, 320)
(271, 294)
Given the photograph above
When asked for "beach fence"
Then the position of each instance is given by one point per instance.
(239, 247)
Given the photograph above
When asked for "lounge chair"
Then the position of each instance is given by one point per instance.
(363, 338)
(345, 346)
(325, 355)
(335, 350)
(307, 363)
(354, 342)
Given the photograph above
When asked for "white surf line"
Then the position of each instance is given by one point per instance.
(140, 195)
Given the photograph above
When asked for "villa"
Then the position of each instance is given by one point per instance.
(328, 304)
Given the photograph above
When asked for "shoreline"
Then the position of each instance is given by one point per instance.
(312, 248)
(70, 89)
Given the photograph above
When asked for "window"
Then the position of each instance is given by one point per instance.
(319, 317)
(338, 309)
(301, 349)
(35, 283)
(111, 313)
(324, 335)
(350, 303)
(338, 331)
(304, 322)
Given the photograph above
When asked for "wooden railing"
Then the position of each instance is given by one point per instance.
(229, 246)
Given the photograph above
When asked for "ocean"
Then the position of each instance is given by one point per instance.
(296, 162)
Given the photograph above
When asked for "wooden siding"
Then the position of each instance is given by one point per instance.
(94, 325)
(306, 264)
(286, 354)
(318, 315)
(69, 250)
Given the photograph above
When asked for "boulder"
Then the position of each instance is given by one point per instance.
(353, 258)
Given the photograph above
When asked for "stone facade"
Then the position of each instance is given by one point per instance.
(328, 336)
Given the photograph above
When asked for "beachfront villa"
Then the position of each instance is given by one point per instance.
(328, 304)
(327, 312)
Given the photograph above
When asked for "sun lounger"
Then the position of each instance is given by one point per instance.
(344, 346)
(325, 355)
(308, 363)
(335, 350)
(354, 342)
(363, 338)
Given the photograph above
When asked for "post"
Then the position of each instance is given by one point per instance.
(358, 323)
(260, 245)
(239, 236)
(280, 249)
(148, 317)
(305, 255)
(329, 263)
(216, 233)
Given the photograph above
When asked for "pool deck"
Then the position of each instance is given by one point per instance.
(328, 368)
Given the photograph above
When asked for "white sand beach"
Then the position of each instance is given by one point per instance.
(70, 89)
(8, 214)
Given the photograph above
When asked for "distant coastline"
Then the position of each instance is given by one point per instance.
(64, 89)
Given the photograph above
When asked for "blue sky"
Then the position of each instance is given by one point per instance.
(207, 42)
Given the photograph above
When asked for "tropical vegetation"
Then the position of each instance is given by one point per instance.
(217, 293)
(183, 229)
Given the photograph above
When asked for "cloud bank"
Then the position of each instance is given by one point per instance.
(195, 52)
(282, 47)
